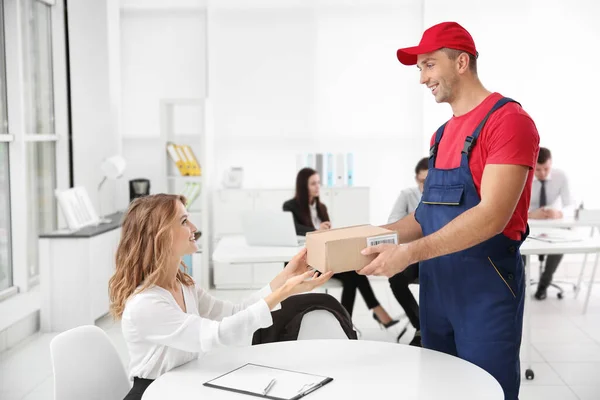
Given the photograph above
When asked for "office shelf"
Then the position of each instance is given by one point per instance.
(185, 178)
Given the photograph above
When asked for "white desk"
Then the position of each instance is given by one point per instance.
(535, 247)
(86, 260)
(569, 223)
(235, 250)
(239, 265)
(360, 370)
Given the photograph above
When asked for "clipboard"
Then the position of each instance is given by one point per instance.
(252, 379)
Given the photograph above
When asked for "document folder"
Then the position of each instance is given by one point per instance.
(268, 382)
(195, 169)
(176, 157)
(187, 164)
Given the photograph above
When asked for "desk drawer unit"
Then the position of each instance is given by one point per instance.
(245, 275)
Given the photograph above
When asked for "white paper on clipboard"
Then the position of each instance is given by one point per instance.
(252, 379)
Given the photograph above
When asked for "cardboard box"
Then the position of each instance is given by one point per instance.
(338, 250)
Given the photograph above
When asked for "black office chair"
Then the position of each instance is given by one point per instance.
(554, 283)
(334, 284)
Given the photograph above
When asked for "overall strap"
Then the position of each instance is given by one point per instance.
(433, 149)
(470, 140)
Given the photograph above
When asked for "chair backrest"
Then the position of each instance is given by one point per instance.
(320, 324)
(87, 366)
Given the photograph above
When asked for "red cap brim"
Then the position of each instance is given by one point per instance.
(408, 55)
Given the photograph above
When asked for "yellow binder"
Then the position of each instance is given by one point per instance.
(195, 168)
(187, 165)
(176, 157)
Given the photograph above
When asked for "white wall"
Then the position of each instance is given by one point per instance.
(163, 56)
(501, 34)
(94, 103)
(539, 53)
(287, 80)
(290, 76)
(563, 94)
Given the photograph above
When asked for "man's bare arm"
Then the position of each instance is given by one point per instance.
(408, 229)
(501, 188)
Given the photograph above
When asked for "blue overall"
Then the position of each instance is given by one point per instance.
(471, 302)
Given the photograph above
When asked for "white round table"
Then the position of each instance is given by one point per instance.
(360, 370)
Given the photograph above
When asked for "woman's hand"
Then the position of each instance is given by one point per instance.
(305, 282)
(296, 277)
(296, 266)
(297, 284)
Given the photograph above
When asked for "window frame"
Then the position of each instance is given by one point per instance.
(18, 138)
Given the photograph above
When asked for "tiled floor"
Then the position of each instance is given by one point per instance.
(565, 353)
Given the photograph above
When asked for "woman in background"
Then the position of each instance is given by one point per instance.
(169, 320)
(310, 215)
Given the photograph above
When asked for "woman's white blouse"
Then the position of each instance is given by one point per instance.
(314, 215)
(160, 336)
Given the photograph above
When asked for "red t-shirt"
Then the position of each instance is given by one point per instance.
(508, 137)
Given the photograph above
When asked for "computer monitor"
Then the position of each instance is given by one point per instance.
(270, 228)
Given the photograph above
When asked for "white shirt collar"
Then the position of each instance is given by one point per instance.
(549, 177)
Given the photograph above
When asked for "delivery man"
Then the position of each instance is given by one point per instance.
(472, 218)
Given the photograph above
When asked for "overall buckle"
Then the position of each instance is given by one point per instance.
(469, 143)
(433, 150)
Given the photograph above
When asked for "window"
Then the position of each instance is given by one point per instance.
(5, 235)
(41, 182)
(33, 130)
(40, 153)
(32, 55)
(38, 67)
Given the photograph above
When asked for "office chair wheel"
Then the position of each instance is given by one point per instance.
(559, 295)
(529, 374)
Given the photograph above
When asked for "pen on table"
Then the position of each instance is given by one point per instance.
(306, 386)
(269, 386)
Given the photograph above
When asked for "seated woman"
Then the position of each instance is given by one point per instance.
(168, 320)
(310, 215)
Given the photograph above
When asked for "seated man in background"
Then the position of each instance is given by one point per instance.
(409, 198)
(406, 204)
(549, 186)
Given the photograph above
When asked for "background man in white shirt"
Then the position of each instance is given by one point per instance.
(550, 187)
(409, 198)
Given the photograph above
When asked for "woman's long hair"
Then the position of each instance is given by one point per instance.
(302, 198)
(145, 248)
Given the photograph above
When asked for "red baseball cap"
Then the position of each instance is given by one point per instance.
(446, 34)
